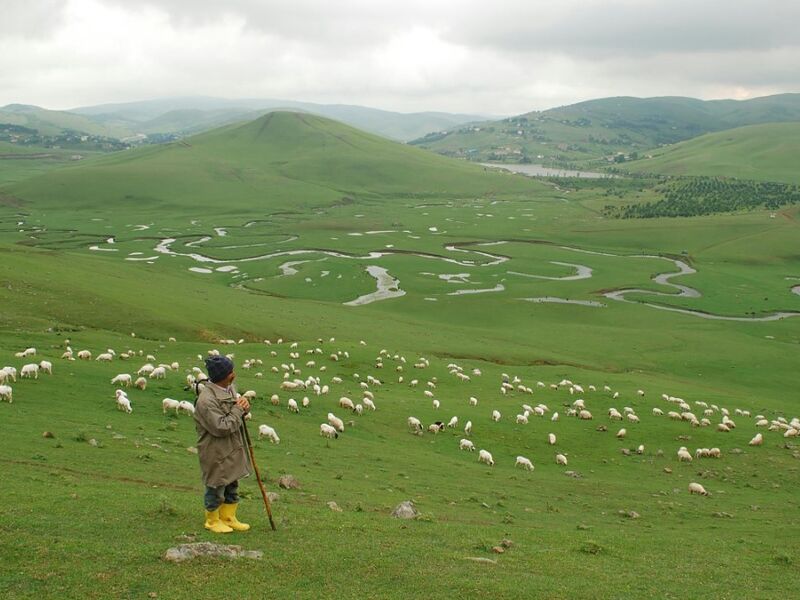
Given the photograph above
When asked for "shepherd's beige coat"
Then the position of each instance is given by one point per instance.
(221, 446)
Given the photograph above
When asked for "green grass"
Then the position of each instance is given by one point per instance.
(759, 152)
(94, 521)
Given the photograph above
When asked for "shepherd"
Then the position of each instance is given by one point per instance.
(222, 445)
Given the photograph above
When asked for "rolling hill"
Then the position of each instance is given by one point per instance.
(282, 158)
(761, 152)
(597, 131)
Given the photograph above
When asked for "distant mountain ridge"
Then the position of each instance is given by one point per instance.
(596, 131)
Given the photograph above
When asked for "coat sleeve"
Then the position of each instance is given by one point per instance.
(215, 421)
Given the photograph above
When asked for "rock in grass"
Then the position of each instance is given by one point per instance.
(480, 559)
(288, 482)
(405, 510)
(498, 549)
(272, 496)
(48, 434)
(190, 551)
(334, 507)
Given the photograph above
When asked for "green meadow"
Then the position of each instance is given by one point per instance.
(191, 241)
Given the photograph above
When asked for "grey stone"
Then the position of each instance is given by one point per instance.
(189, 551)
(288, 482)
(405, 510)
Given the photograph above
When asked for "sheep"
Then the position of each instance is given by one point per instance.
(428, 394)
(84, 355)
(657, 412)
(11, 373)
(473, 401)
(640, 392)
(485, 457)
(269, 432)
(466, 445)
(436, 427)
(757, 440)
(436, 405)
(683, 455)
(561, 460)
(701, 453)
(723, 428)
(453, 422)
(325, 430)
(46, 367)
(468, 428)
(275, 400)
(368, 403)
(123, 403)
(696, 488)
(170, 404)
(585, 415)
(415, 425)
(522, 419)
(250, 395)
(67, 355)
(186, 407)
(158, 373)
(292, 405)
(496, 415)
(551, 439)
(105, 357)
(290, 386)
(6, 393)
(621, 434)
(762, 423)
(345, 402)
(524, 463)
(122, 379)
(579, 404)
(305, 403)
(359, 410)
(791, 432)
(640, 449)
(29, 370)
(614, 414)
(336, 422)
(715, 452)
(633, 418)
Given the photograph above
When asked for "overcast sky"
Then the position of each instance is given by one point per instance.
(475, 56)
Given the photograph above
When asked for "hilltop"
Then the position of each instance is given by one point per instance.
(760, 152)
(606, 129)
(282, 158)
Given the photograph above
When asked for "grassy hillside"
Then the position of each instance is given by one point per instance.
(288, 160)
(264, 232)
(768, 152)
(596, 131)
(56, 122)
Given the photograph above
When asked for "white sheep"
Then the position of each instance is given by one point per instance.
(84, 355)
(122, 379)
(359, 410)
(585, 415)
(696, 488)
(123, 403)
(327, 431)
(621, 433)
(632, 418)
(473, 401)
(415, 425)
(46, 367)
(140, 383)
(554, 417)
(292, 405)
(436, 405)
(551, 439)
(105, 357)
(522, 419)
(684, 455)
(6, 393)
(269, 432)
(186, 407)
(170, 404)
(368, 403)
(614, 414)
(305, 403)
(485, 457)
(336, 422)
(757, 440)
(29, 370)
(561, 460)
(496, 415)
(524, 463)
(657, 412)
(640, 449)
(345, 402)
(468, 428)
(158, 373)
(453, 422)
(466, 445)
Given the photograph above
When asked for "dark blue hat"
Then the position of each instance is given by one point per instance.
(218, 367)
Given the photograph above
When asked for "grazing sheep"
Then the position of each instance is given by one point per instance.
(524, 463)
(466, 445)
(428, 394)
(146, 369)
(46, 367)
(122, 379)
(632, 418)
(561, 460)
(522, 419)
(436, 427)
(757, 440)
(415, 425)
(6, 393)
(359, 410)
(723, 428)
(473, 401)
(269, 432)
(250, 394)
(345, 402)
(453, 422)
(496, 415)
(640, 392)
(585, 415)
(468, 428)
(305, 403)
(186, 407)
(105, 357)
(170, 404)
(85, 355)
(696, 488)
(123, 403)
(762, 423)
(436, 405)
(684, 455)
(614, 414)
(714, 452)
(640, 449)
(485, 457)
(368, 403)
(140, 383)
(657, 412)
(336, 422)
(327, 431)
(551, 439)
(29, 370)
(158, 373)
(275, 400)
(292, 405)
(621, 433)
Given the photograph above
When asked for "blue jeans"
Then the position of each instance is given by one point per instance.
(215, 496)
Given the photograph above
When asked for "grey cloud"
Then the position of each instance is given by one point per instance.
(30, 19)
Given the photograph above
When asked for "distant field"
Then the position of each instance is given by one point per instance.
(768, 152)
(264, 232)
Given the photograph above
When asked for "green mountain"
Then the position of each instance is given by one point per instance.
(769, 152)
(291, 160)
(598, 131)
(56, 122)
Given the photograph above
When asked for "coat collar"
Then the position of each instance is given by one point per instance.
(221, 393)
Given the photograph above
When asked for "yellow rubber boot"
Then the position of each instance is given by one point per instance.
(214, 524)
(227, 514)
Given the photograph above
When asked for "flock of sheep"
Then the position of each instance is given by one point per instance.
(293, 381)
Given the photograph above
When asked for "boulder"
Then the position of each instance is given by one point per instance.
(405, 510)
(190, 551)
(288, 482)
